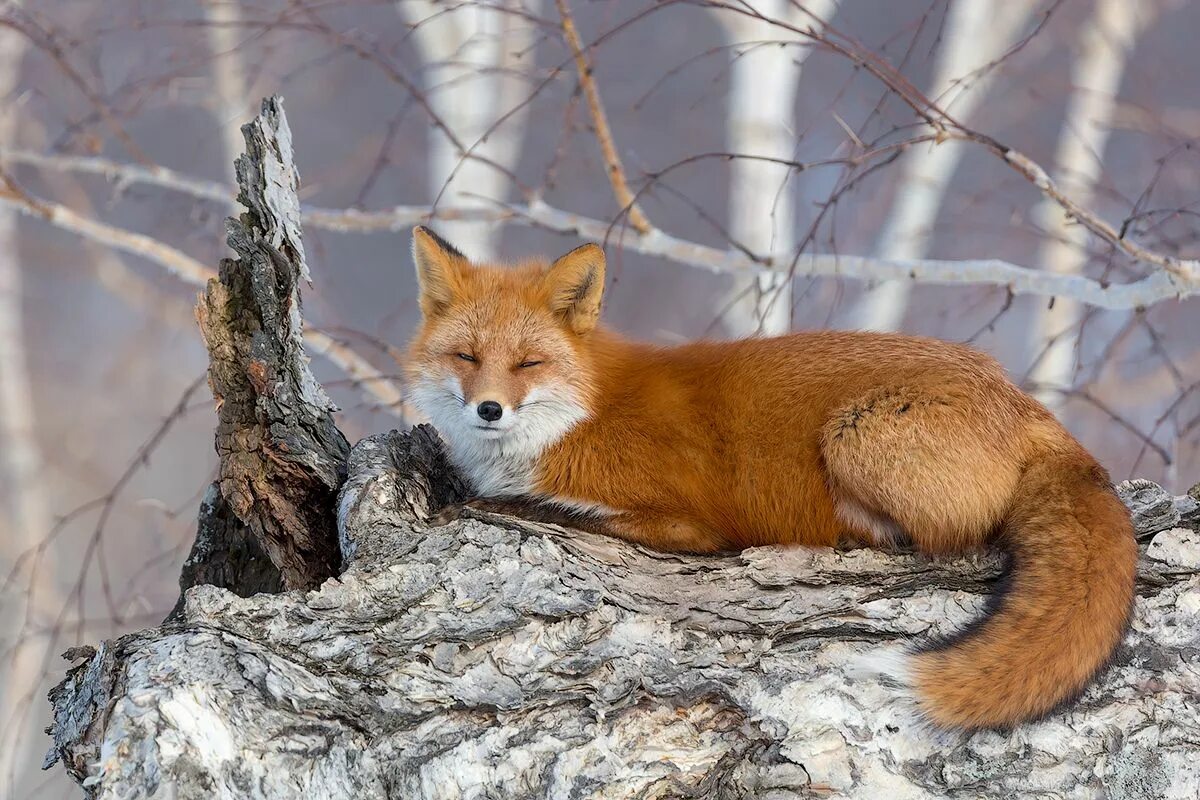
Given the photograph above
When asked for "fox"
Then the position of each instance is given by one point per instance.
(810, 439)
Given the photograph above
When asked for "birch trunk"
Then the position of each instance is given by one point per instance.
(977, 32)
(230, 106)
(1105, 43)
(27, 519)
(474, 53)
(764, 76)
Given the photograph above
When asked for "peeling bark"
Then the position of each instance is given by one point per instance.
(282, 456)
(497, 657)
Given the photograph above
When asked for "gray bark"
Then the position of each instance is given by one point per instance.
(282, 456)
(497, 657)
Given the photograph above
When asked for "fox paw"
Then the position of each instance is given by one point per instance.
(455, 511)
(446, 515)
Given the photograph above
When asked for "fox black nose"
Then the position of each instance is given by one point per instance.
(490, 410)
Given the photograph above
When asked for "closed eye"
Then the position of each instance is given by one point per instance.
(525, 364)
(466, 357)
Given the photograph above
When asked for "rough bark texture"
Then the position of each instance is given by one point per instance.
(495, 657)
(225, 554)
(282, 456)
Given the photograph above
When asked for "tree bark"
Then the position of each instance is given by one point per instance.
(282, 456)
(496, 657)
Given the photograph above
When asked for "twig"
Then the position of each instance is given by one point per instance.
(612, 160)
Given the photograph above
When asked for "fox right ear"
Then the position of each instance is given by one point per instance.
(439, 266)
(576, 282)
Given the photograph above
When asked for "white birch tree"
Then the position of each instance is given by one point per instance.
(1105, 43)
(977, 32)
(27, 517)
(763, 80)
(228, 76)
(475, 54)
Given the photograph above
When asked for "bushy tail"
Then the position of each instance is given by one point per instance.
(1063, 611)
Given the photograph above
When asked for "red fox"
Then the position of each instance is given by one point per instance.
(806, 439)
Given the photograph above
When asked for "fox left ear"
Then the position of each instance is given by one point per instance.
(576, 283)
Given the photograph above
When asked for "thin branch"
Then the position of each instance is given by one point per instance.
(192, 272)
(1157, 287)
(612, 160)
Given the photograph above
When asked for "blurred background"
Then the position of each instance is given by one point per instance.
(732, 156)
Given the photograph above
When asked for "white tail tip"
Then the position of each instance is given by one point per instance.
(894, 664)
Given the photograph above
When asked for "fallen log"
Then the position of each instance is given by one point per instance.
(497, 657)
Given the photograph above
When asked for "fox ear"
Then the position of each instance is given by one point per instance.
(439, 267)
(576, 283)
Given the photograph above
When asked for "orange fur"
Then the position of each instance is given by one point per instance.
(801, 439)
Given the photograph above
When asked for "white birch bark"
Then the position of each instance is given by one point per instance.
(474, 54)
(977, 32)
(1105, 43)
(763, 79)
(26, 516)
(228, 74)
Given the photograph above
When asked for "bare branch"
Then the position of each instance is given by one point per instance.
(1157, 287)
(612, 159)
(192, 272)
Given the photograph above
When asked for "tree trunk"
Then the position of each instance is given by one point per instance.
(474, 57)
(25, 517)
(764, 76)
(494, 657)
(977, 33)
(1106, 42)
(282, 457)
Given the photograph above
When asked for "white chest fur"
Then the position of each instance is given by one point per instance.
(504, 461)
(492, 469)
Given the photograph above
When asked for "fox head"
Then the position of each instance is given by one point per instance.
(498, 363)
